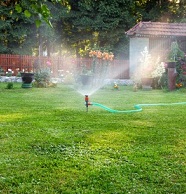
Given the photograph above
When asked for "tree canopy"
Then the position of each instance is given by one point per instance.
(74, 27)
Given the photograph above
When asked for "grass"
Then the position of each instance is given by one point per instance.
(50, 144)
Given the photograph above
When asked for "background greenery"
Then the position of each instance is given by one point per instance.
(50, 144)
(78, 25)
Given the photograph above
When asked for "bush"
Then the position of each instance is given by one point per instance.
(42, 78)
(10, 85)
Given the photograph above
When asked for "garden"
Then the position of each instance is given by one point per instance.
(49, 143)
(77, 113)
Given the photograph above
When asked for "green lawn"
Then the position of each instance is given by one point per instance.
(50, 144)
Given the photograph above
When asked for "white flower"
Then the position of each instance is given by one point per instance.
(145, 58)
(150, 67)
(160, 69)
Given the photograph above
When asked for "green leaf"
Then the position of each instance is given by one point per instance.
(45, 11)
(18, 8)
(27, 13)
(38, 23)
(49, 23)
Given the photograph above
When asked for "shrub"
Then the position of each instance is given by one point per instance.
(42, 78)
(10, 85)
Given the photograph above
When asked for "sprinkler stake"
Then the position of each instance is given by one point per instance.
(87, 103)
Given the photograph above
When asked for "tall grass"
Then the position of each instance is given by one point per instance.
(50, 144)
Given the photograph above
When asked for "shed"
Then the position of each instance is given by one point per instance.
(156, 37)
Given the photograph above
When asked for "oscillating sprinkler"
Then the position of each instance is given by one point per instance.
(87, 103)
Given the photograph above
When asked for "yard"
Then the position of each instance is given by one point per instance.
(50, 144)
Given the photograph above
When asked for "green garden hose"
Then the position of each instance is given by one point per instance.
(138, 107)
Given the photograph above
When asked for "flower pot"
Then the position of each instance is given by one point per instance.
(86, 79)
(27, 79)
(146, 83)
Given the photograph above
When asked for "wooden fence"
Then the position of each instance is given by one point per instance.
(58, 65)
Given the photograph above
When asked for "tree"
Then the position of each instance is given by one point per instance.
(17, 33)
(78, 25)
(160, 10)
(100, 23)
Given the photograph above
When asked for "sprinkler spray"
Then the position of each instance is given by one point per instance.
(87, 103)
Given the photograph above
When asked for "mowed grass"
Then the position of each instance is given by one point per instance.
(50, 144)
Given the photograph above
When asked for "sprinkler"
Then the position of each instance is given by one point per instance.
(87, 103)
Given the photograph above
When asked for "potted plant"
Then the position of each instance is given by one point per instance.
(98, 70)
(173, 64)
(27, 79)
(86, 75)
(174, 55)
(145, 68)
(149, 69)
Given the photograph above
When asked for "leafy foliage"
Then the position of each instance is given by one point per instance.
(17, 34)
(78, 25)
(42, 77)
(10, 85)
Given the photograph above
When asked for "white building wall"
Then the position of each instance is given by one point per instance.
(137, 45)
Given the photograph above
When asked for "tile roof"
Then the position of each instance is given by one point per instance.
(147, 29)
